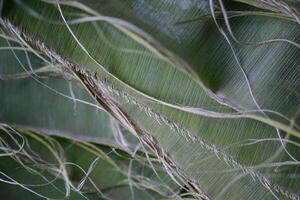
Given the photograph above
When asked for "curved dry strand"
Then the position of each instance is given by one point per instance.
(68, 183)
(29, 62)
(239, 114)
(45, 69)
(20, 40)
(8, 37)
(77, 189)
(20, 146)
(14, 182)
(245, 75)
(276, 6)
(86, 176)
(249, 142)
(14, 48)
(293, 12)
(118, 135)
(234, 14)
(254, 141)
(23, 152)
(138, 35)
(228, 26)
(48, 182)
(34, 13)
(150, 162)
(130, 182)
(125, 171)
(261, 166)
(110, 44)
(58, 153)
(279, 151)
(25, 166)
(220, 195)
(291, 121)
(62, 169)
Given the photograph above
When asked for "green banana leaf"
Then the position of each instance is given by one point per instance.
(216, 99)
(68, 111)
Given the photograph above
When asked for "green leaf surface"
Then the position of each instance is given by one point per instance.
(259, 69)
(46, 167)
(54, 106)
(182, 85)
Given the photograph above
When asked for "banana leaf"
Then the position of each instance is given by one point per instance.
(214, 97)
